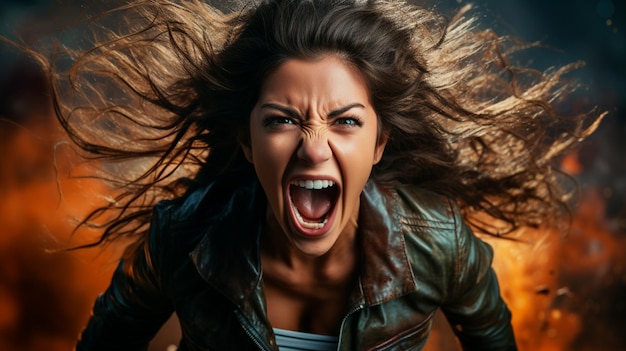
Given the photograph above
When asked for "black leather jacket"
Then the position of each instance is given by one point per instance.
(201, 261)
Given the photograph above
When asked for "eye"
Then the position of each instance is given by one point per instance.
(277, 121)
(351, 121)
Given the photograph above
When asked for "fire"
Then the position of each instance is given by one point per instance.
(45, 294)
(528, 273)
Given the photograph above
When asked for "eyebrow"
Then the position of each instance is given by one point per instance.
(344, 109)
(286, 110)
(293, 113)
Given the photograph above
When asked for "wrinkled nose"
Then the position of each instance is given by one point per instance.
(314, 149)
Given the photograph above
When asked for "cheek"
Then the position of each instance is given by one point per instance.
(272, 151)
(356, 158)
(270, 154)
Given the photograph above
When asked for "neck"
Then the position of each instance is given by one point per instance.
(335, 265)
(303, 292)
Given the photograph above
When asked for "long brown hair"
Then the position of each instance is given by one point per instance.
(171, 91)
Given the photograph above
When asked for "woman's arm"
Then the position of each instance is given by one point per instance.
(474, 307)
(134, 306)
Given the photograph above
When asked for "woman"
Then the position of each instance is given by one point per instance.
(316, 163)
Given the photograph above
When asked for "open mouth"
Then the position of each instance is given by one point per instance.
(313, 202)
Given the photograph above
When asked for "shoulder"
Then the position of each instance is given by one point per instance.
(180, 224)
(435, 218)
(177, 225)
(424, 208)
(429, 223)
(439, 244)
(432, 225)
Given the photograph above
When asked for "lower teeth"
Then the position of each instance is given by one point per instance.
(310, 225)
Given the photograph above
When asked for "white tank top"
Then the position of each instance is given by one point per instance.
(289, 340)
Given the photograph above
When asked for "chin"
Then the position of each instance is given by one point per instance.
(314, 250)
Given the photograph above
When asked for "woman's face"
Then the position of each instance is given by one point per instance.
(313, 142)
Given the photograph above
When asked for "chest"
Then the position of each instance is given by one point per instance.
(306, 308)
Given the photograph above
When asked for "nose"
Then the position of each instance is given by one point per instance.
(314, 148)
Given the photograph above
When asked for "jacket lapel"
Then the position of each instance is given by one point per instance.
(227, 257)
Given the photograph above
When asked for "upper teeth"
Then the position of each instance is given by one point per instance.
(314, 184)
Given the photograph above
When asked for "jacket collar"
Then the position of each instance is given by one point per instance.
(227, 257)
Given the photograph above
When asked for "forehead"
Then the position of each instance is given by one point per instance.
(329, 81)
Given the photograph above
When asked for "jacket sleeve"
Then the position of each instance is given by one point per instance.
(134, 306)
(474, 307)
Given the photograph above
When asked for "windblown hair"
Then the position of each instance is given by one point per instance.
(175, 86)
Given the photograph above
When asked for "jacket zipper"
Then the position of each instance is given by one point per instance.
(252, 334)
(345, 318)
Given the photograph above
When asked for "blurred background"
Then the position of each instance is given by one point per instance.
(566, 292)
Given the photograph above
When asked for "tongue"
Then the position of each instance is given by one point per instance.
(312, 204)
